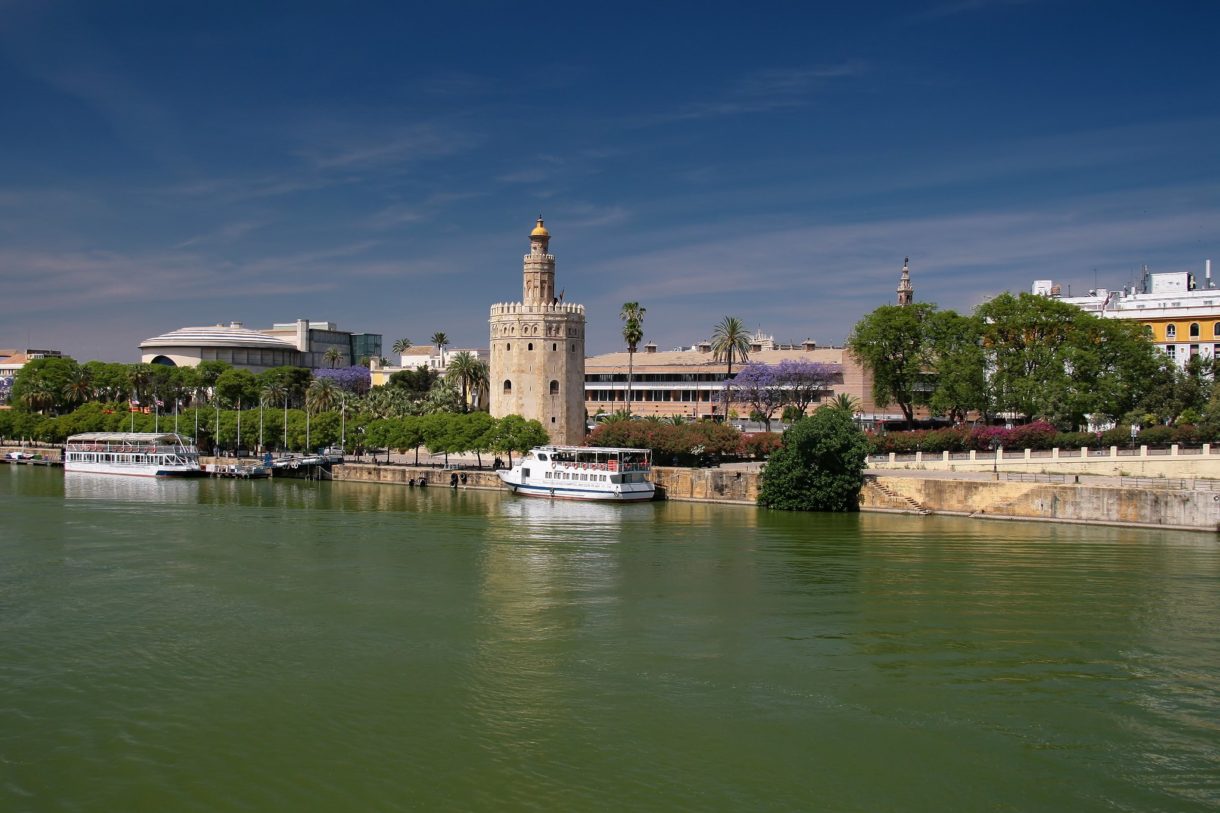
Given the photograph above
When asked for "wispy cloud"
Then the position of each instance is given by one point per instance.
(767, 90)
(833, 274)
(395, 145)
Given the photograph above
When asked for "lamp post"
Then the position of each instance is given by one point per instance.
(1135, 431)
(995, 458)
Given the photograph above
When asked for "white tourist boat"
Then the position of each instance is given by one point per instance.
(582, 473)
(140, 454)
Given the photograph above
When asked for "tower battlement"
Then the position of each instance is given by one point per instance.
(511, 308)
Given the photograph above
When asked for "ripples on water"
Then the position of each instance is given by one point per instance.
(217, 645)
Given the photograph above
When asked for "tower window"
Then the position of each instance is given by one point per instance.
(573, 349)
(508, 346)
(554, 347)
(554, 387)
(552, 419)
(508, 386)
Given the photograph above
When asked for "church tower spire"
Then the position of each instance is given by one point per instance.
(906, 294)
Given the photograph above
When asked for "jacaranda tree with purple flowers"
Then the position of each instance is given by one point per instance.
(760, 386)
(355, 379)
(806, 381)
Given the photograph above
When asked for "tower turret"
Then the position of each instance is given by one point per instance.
(538, 285)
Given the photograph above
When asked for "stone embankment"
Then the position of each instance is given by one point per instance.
(1167, 504)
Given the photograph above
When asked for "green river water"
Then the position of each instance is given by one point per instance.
(263, 646)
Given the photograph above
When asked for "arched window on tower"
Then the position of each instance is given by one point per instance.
(508, 346)
(508, 387)
(554, 387)
(529, 346)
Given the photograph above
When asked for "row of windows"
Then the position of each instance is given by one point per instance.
(653, 395)
(1171, 330)
(1171, 350)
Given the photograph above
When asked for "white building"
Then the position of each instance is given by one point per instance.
(1181, 316)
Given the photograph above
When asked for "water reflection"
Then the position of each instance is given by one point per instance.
(119, 488)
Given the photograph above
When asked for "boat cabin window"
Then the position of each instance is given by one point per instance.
(541, 456)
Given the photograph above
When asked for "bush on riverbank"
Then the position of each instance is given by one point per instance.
(819, 467)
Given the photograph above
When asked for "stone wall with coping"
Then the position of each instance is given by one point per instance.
(1174, 462)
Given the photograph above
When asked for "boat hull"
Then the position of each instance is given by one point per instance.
(582, 494)
(133, 471)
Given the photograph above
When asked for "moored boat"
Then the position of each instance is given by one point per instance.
(139, 454)
(582, 473)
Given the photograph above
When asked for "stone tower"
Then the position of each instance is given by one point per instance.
(537, 360)
(906, 294)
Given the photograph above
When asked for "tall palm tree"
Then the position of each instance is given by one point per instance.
(730, 341)
(401, 346)
(332, 356)
(463, 366)
(633, 333)
(321, 396)
(441, 341)
(480, 383)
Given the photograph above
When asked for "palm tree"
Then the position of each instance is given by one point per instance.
(332, 356)
(441, 341)
(401, 346)
(844, 403)
(730, 341)
(79, 388)
(633, 333)
(480, 382)
(321, 396)
(463, 366)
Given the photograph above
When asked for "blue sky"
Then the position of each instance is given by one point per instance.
(379, 165)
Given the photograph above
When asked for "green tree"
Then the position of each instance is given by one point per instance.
(956, 352)
(633, 333)
(401, 346)
(236, 386)
(513, 433)
(416, 383)
(465, 368)
(42, 385)
(892, 343)
(1027, 341)
(332, 357)
(819, 467)
(730, 341)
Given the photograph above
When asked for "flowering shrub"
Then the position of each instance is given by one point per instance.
(758, 445)
(351, 379)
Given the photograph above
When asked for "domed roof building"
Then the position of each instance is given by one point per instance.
(232, 343)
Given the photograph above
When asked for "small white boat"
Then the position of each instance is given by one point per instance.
(582, 473)
(140, 454)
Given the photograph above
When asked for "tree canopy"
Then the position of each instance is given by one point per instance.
(819, 466)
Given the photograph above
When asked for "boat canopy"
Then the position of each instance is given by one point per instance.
(159, 438)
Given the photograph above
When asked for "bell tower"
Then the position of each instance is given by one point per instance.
(906, 293)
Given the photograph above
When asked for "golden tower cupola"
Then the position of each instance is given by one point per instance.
(540, 231)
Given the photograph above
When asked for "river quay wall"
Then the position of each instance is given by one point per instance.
(1144, 506)
(1115, 461)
